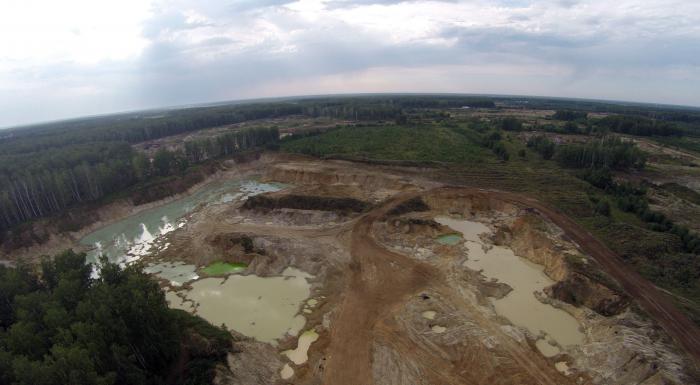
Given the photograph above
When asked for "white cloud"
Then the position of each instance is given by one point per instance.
(130, 54)
(83, 31)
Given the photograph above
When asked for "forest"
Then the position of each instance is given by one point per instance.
(47, 168)
(43, 183)
(64, 327)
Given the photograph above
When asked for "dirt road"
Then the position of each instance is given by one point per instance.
(380, 282)
(378, 279)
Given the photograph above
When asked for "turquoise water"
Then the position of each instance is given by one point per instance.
(133, 237)
(449, 239)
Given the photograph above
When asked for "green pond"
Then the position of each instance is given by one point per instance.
(449, 239)
(129, 239)
(221, 268)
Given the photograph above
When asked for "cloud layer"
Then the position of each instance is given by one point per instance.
(86, 57)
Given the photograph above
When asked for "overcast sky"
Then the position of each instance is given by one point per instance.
(68, 58)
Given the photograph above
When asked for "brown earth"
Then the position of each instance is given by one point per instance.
(369, 322)
(380, 281)
(652, 300)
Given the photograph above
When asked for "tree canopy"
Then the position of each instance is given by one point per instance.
(64, 327)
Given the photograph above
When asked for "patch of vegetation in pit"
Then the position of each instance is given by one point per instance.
(221, 268)
(306, 202)
(412, 205)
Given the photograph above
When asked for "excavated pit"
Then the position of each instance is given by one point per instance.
(392, 296)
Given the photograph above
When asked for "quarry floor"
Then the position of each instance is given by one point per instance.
(370, 291)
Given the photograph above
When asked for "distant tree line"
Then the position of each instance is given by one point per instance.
(226, 144)
(47, 168)
(43, 183)
(640, 126)
(569, 115)
(386, 107)
(61, 326)
(610, 152)
(136, 129)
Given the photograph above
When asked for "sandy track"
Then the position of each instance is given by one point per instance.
(380, 281)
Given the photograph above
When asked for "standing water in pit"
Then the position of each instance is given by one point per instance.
(265, 308)
(520, 306)
(133, 237)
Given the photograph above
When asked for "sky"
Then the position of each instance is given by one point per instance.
(69, 58)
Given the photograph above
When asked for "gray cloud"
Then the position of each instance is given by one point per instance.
(201, 51)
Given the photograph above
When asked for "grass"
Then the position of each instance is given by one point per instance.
(221, 268)
(424, 143)
(691, 144)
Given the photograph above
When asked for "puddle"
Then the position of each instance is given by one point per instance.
(547, 349)
(222, 268)
(300, 355)
(177, 273)
(429, 314)
(469, 229)
(563, 367)
(449, 239)
(265, 308)
(520, 306)
(131, 238)
(287, 372)
(177, 302)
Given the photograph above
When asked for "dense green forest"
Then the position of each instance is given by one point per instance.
(610, 152)
(61, 326)
(47, 168)
(38, 184)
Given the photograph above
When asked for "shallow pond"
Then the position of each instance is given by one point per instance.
(265, 308)
(520, 306)
(449, 239)
(133, 237)
(177, 273)
(222, 268)
(301, 354)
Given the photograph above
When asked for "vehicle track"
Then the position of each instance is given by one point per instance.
(379, 282)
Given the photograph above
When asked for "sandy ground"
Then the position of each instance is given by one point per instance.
(372, 289)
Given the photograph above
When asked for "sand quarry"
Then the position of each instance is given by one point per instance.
(355, 274)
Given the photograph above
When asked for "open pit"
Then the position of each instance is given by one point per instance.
(343, 273)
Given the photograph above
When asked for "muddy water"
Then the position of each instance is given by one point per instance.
(301, 354)
(520, 306)
(133, 237)
(265, 308)
(287, 372)
(177, 273)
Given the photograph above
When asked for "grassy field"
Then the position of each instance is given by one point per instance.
(684, 143)
(428, 143)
